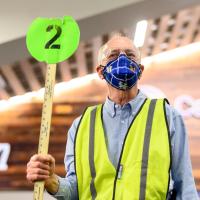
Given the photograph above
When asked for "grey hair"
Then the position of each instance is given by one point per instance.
(104, 47)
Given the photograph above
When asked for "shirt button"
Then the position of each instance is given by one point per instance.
(122, 121)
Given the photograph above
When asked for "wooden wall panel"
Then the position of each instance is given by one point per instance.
(20, 128)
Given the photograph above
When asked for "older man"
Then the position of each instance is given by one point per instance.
(130, 147)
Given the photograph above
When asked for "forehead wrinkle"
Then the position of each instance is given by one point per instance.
(115, 42)
(129, 50)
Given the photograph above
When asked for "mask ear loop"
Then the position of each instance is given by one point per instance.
(139, 63)
(103, 69)
(102, 66)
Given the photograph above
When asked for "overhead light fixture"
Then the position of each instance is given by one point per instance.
(140, 33)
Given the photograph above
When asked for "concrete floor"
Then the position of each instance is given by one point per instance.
(21, 195)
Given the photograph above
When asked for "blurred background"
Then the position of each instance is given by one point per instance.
(168, 35)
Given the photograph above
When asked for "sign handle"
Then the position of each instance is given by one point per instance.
(45, 123)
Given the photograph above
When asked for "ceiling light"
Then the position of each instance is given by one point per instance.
(140, 33)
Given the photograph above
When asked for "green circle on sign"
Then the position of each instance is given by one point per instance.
(53, 40)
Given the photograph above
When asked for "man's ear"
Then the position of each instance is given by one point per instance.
(99, 70)
(142, 69)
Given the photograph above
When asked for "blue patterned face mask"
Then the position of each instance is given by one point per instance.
(122, 73)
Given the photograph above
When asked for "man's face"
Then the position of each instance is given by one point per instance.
(117, 46)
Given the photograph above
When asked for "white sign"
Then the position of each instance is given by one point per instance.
(4, 155)
(187, 106)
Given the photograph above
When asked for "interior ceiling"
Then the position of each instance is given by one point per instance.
(16, 16)
(20, 73)
(95, 18)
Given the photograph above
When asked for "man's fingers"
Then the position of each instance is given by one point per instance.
(37, 174)
(37, 171)
(43, 158)
(36, 177)
(40, 167)
(38, 164)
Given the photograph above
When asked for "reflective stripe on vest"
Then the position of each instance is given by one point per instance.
(144, 165)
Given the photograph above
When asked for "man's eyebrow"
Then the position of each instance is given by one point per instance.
(126, 50)
(130, 50)
(115, 50)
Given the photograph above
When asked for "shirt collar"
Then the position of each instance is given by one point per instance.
(134, 104)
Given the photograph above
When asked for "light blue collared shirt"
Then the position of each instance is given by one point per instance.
(116, 121)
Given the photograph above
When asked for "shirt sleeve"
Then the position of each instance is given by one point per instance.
(68, 185)
(181, 170)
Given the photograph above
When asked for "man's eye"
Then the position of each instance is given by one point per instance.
(131, 55)
(112, 55)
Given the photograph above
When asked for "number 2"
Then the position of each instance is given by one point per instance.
(49, 44)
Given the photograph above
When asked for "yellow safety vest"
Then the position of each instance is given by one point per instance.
(144, 165)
